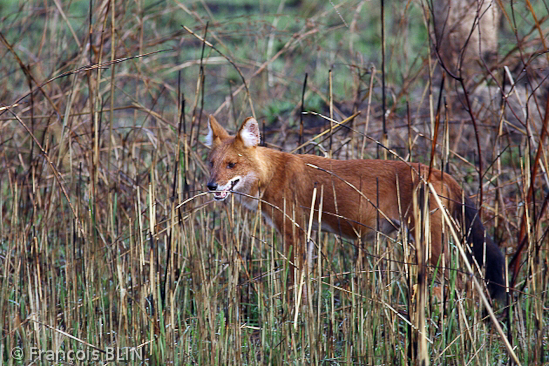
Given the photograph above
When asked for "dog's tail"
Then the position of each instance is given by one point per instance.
(485, 251)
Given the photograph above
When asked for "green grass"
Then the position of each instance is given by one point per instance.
(108, 241)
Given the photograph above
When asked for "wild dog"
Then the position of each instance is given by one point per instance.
(358, 196)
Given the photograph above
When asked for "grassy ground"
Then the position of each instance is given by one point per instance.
(108, 242)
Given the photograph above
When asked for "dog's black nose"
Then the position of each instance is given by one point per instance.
(212, 186)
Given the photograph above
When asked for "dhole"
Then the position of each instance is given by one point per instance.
(283, 185)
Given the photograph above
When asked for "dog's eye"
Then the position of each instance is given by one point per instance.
(211, 164)
(230, 165)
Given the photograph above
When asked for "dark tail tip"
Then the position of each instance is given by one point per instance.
(485, 249)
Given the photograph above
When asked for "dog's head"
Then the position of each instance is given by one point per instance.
(232, 159)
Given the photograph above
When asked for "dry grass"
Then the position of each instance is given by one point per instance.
(107, 238)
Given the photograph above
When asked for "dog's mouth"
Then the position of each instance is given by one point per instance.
(222, 195)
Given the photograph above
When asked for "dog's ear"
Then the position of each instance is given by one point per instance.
(249, 133)
(216, 133)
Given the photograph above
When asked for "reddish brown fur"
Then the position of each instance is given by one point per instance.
(285, 184)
